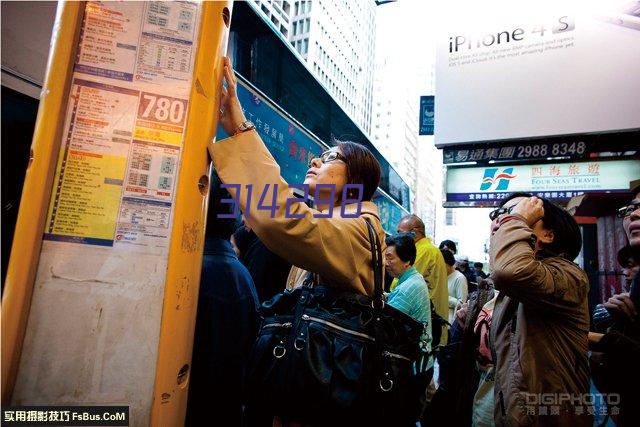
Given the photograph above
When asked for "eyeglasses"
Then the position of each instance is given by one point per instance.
(501, 211)
(329, 156)
(626, 210)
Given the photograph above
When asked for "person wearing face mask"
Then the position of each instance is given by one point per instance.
(449, 245)
(540, 322)
(330, 240)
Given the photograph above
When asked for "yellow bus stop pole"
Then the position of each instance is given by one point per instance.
(187, 238)
(185, 254)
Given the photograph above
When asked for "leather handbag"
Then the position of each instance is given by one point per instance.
(323, 356)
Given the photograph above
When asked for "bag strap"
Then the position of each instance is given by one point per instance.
(376, 261)
(311, 280)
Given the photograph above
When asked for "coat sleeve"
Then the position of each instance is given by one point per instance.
(517, 272)
(330, 247)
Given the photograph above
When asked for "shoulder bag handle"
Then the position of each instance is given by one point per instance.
(376, 261)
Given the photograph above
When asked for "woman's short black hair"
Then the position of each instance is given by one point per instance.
(448, 244)
(405, 246)
(220, 228)
(362, 168)
(449, 259)
(567, 239)
(478, 264)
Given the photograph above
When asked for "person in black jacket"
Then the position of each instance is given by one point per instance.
(226, 323)
(268, 270)
(621, 344)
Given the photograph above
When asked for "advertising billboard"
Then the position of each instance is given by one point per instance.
(516, 70)
(486, 186)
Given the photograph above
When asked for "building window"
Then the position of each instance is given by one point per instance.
(450, 217)
(295, 28)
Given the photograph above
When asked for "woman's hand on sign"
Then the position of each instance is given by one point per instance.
(231, 115)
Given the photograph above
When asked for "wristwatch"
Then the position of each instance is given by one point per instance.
(244, 126)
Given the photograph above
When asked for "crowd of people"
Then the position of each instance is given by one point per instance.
(510, 347)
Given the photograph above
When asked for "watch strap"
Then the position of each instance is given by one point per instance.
(244, 126)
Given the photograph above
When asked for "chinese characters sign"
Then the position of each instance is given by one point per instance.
(291, 147)
(485, 186)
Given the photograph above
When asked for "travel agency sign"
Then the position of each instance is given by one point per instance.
(485, 186)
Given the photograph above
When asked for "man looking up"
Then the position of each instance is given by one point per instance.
(430, 264)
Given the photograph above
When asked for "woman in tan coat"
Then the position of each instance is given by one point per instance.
(331, 240)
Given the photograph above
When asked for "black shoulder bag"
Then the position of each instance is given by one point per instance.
(330, 357)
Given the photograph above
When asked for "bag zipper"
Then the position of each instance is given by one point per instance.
(279, 325)
(395, 356)
(338, 327)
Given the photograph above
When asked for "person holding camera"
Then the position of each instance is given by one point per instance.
(540, 322)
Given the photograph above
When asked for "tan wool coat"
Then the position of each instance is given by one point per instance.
(335, 248)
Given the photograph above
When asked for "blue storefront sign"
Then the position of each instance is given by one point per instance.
(292, 147)
(390, 212)
(486, 186)
(427, 114)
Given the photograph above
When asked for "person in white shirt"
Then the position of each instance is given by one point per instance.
(457, 283)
